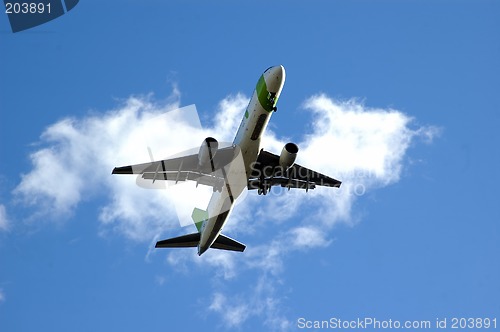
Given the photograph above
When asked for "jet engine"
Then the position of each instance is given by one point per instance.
(288, 155)
(207, 152)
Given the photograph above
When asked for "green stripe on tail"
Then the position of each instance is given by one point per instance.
(199, 216)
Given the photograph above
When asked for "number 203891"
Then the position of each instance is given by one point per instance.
(473, 323)
(27, 8)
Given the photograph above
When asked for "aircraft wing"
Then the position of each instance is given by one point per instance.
(184, 168)
(267, 172)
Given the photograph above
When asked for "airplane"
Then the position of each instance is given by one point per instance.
(215, 167)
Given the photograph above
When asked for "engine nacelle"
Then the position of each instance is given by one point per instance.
(208, 149)
(288, 155)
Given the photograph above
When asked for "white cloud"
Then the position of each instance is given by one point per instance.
(357, 139)
(228, 117)
(160, 280)
(260, 300)
(4, 222)
(308, 237)
(77, 155)
(2, 296)
(233, 314)
(363, 147)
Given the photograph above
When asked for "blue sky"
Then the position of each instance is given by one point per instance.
(400, 98)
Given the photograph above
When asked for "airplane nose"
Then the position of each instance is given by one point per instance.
(278, 71)
(275, 78)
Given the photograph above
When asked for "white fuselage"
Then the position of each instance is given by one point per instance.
(248, 138)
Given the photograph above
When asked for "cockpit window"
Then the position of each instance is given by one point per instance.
(265, 71)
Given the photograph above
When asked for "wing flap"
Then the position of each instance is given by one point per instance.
(268, 171)
(283, 182)
(184, 168)
(213, 180)
(175, 164)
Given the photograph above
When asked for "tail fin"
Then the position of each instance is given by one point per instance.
(199, 216)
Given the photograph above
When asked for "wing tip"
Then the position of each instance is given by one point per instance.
(122, 170)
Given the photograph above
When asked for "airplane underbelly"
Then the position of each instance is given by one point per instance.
(219, 208)
(249, 135)
(248, 139)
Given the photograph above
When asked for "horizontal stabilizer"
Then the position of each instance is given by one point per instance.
(184, 241)
(192, 240)
(226, 243)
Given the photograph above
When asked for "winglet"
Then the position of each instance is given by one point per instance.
(122, 170)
